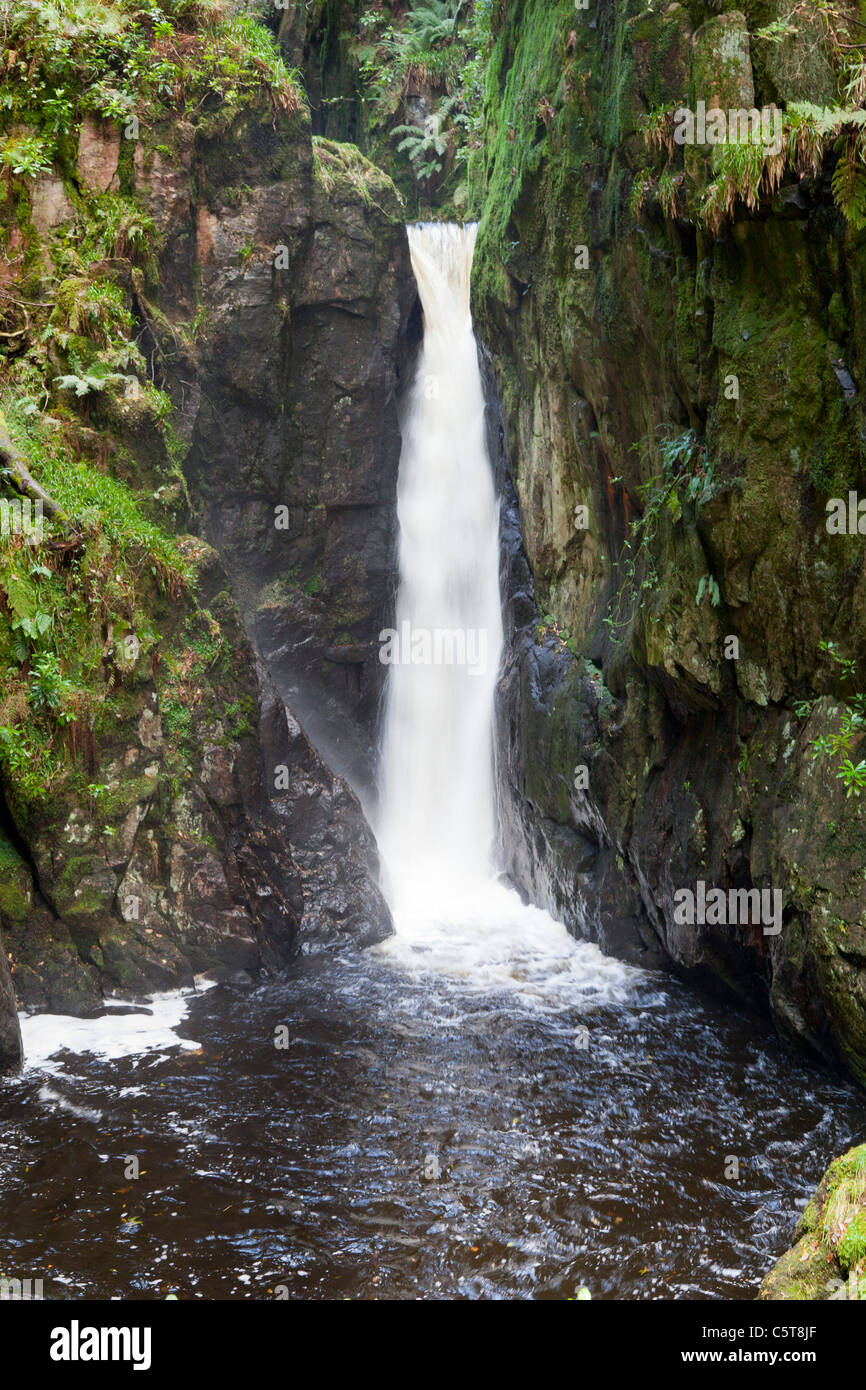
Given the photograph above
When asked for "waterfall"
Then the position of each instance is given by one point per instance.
(436, 824)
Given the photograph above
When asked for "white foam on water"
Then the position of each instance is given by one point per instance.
(111, 1036)
(49, 1096)
(487, 941)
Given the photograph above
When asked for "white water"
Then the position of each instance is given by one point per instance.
(438, 828)
(111, 1035)
(437, 820)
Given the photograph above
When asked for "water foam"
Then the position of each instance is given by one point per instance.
(113, 1034)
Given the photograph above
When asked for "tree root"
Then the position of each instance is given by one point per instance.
(15, 466)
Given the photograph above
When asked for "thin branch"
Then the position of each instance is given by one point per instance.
(21, 477)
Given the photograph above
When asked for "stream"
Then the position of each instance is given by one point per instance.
(551, 1122)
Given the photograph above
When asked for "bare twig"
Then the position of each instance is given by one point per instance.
(21, 477)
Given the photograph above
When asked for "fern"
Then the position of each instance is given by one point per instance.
(708, 586)
(94, 378)
(666, 192)
(430, 22)
(849, 185)
(825, 120)
(426, 148)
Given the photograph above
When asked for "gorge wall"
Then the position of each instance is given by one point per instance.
(210, 313)
(696, 389)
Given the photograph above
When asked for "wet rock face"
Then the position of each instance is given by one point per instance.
(98, 154)
(10, 1032)
(721, 67)
(219, 841)
(332, 845)
(560, 858)
(304, 291)
(697, 758)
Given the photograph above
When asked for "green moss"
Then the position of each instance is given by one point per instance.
(852, 1246)
(803, 1274)
(242, 716)
(73, 899)
(176, 721)
(519, 79)
(346, 175)
(832, 1235)
(16, 884)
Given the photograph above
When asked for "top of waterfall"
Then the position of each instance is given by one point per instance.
(442, 255)
(459, 226)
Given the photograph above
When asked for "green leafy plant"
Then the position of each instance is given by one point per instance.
(838, 746)
(90, 379)
(28, 762)
(429, 22)
(849, 183)
(666, 192)
(746, 168)
(426, 147)
(34, 628)
(49, 688)
(77, 56)
(681, 474)
(640, 191)
(777, 31)
(446, 45)
(707, 585)
(26, 155)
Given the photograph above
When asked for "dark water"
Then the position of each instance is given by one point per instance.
(311, 1168)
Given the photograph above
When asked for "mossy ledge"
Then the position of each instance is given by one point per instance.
(828, 1260)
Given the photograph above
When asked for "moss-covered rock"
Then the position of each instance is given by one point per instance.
(699, 395)
(721, 66)
(828, 1260)
(10, 1031)
(143, 803)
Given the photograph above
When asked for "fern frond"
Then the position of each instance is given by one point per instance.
(849, 185)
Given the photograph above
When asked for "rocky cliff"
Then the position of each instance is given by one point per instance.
(682, 403)
(203, 315)
(294, 438)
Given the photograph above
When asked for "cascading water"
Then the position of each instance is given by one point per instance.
(437, 820)
(437, 781)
